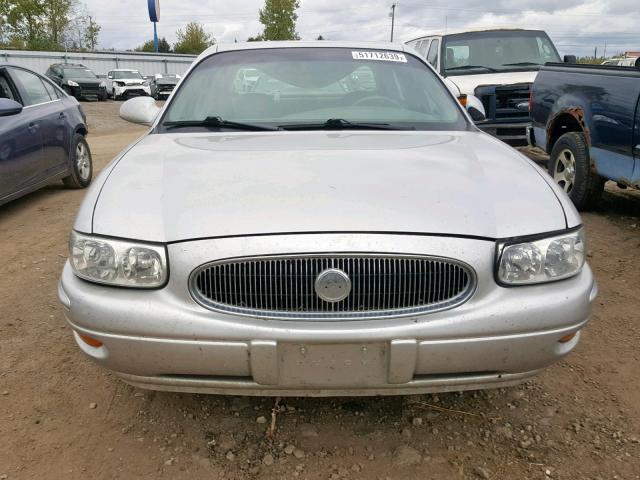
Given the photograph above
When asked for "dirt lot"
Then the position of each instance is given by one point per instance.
(61, 417)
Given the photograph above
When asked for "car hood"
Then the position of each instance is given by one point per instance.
(468, 83)
(172, 187)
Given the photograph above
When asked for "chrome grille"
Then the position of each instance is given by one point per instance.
(284, 286)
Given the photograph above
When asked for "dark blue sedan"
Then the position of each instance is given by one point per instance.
(42, 135)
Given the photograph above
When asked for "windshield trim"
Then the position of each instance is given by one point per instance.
(468, 124)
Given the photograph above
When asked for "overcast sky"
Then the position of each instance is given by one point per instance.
(576, 26)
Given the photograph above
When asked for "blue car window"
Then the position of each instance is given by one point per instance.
(53, 93)
(5, 89)
(33, 90)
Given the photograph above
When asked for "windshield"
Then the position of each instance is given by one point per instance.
(79, 73)
(127, 74)
(297, 86)
(480, 52)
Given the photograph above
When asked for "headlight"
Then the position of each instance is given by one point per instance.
(71, 83)
(117, 262)
(103, 85)
(544, 260)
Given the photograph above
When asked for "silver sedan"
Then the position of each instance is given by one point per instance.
(336, 226)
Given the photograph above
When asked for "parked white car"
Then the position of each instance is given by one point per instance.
(496, 66)
(623, 62)
(122, 83)
(342, 229)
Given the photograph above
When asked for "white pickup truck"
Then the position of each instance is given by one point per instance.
(496, 66)
(122, 83)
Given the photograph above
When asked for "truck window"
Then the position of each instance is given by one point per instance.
(457, 56)
(501, 50)
(432, 56)
(422, 47)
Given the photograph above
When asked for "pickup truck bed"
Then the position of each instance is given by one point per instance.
(587, 118)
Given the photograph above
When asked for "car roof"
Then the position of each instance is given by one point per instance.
(446, 33)
(12, 65)
(225, 47)
(68, 65)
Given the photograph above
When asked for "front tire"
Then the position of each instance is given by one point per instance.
(570, 166)
(81, 164)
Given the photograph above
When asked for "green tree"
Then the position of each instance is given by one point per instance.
(91, 33)
(163, 46)
(279, 19)
(57, 14)
(47, 24)
(257, 38)
(27, 23)
(193, 39)
(320, 37)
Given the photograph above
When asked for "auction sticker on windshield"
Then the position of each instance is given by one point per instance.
(383, 56)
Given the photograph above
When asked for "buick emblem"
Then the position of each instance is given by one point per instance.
(333, 285)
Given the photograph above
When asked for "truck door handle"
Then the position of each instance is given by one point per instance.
(33, 127)
(62, 116)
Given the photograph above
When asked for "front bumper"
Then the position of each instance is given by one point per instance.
(513, 133)
(162, 339)
(131, 90)
(88, 93)
(164, 92)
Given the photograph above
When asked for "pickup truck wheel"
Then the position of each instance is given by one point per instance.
(81, 164)
(570, 167)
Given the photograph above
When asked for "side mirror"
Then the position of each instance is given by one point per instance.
(141, 110)
(570, 59)
(110, 77)
(9, 107)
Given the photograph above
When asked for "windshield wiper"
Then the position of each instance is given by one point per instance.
(523, 64)
(469, 67)
(339, 124)
(217, 122)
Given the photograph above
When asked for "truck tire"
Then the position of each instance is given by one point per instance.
(81, 164)
(570, 167)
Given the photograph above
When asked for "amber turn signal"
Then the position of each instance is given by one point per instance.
(92, 342)
(463, 100)
(568, 337)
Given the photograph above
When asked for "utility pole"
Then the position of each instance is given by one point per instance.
(393, 18)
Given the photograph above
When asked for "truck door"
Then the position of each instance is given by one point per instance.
(613, 112)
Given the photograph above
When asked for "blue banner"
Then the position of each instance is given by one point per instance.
(154, 10)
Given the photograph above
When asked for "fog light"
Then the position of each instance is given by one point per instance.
(92, 342)
(567, 338)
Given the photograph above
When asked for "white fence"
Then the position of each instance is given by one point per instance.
(101, 62)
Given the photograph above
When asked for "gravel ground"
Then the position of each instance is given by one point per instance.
(61, 417)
